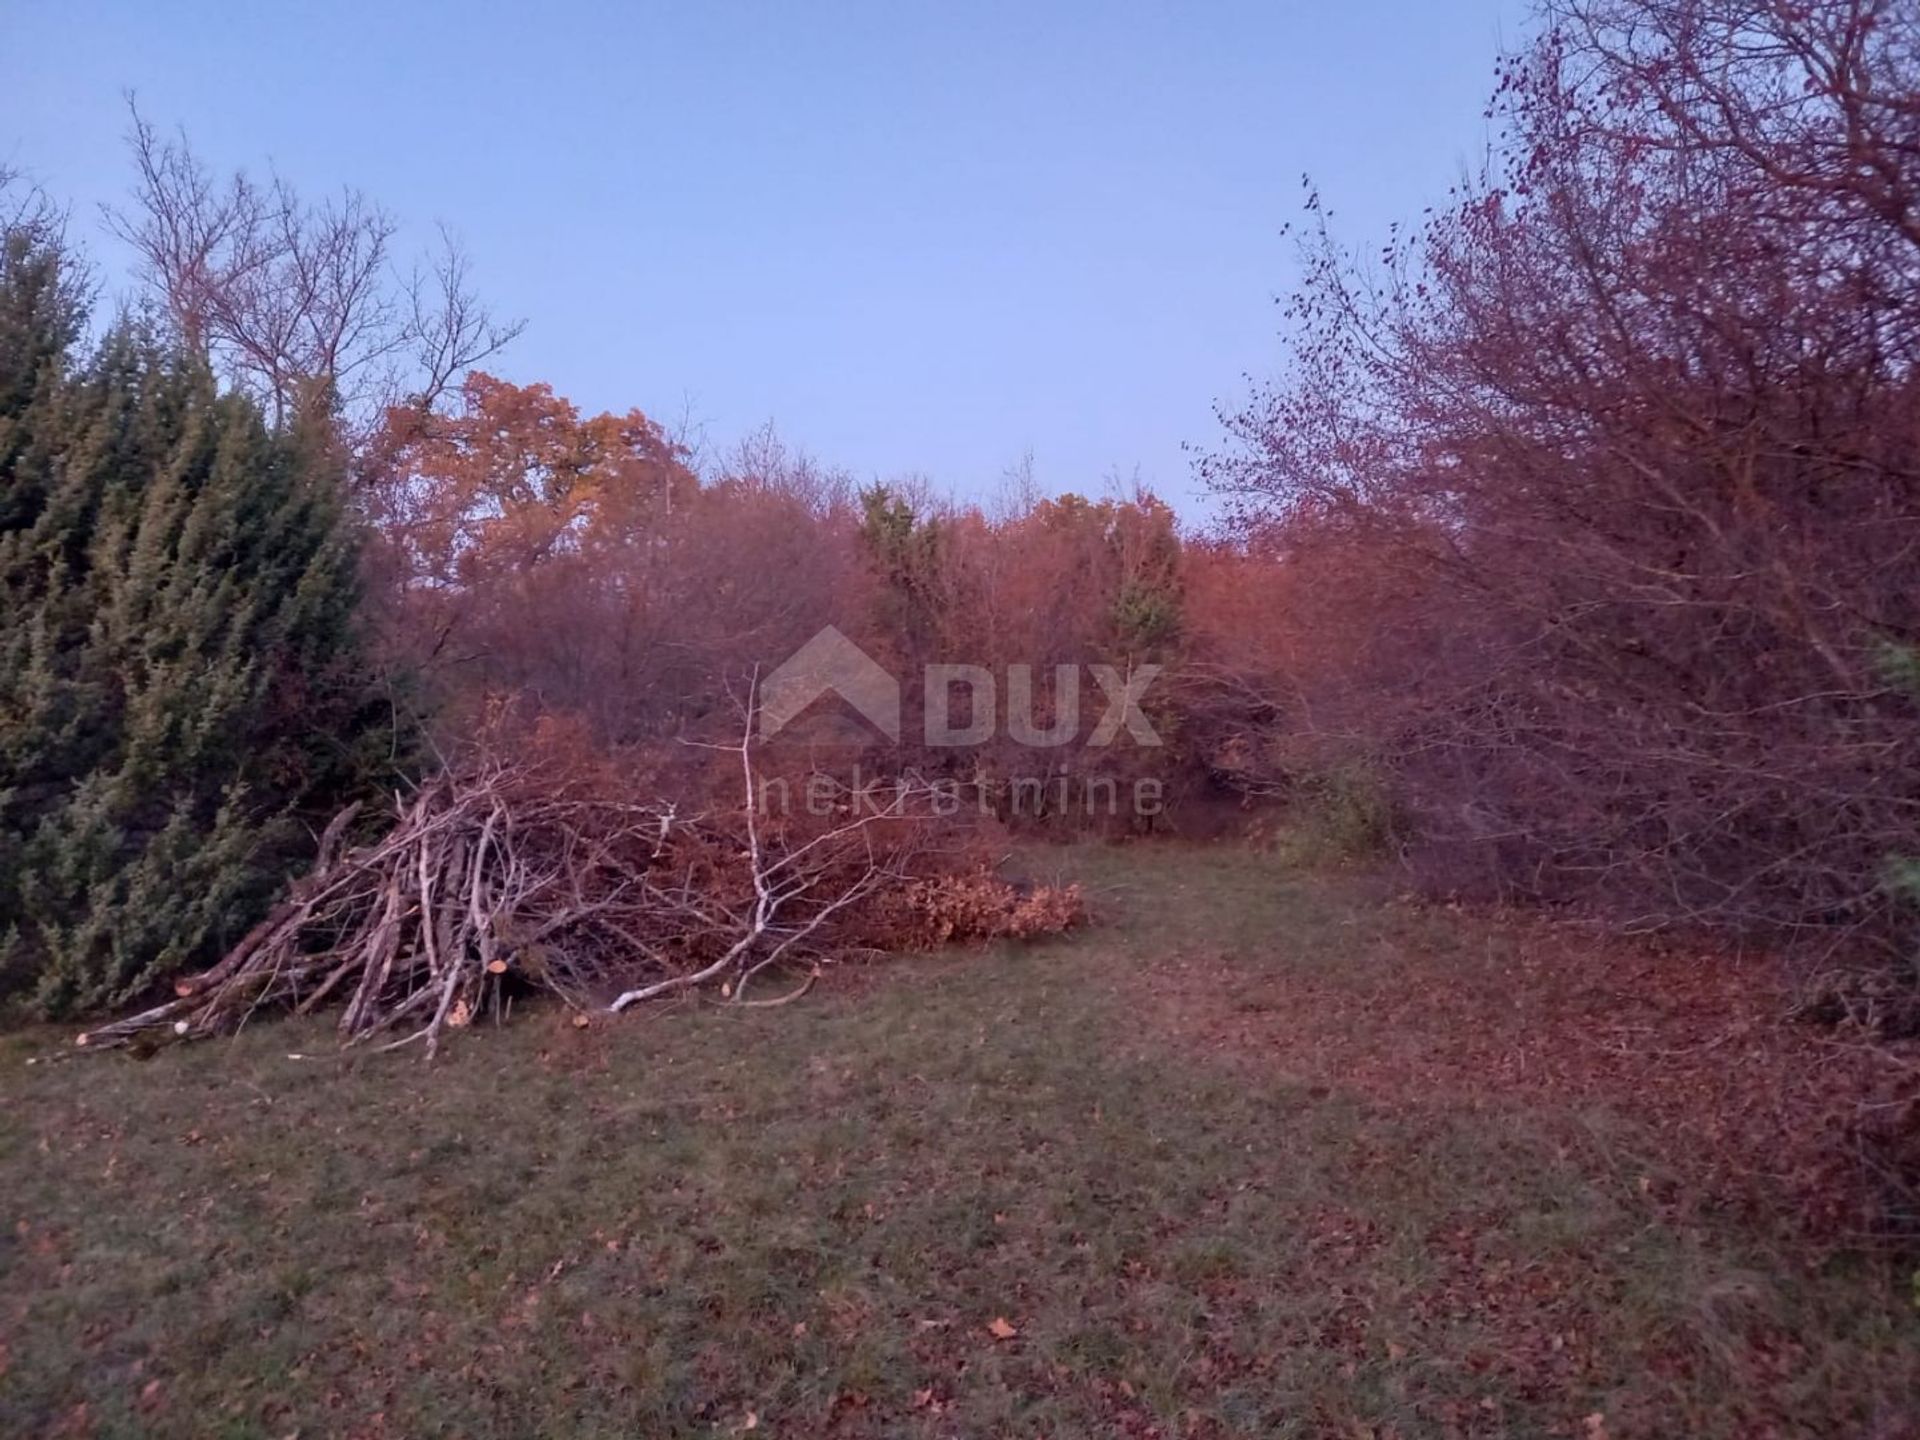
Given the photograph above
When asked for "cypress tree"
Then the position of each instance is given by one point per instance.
(181, 681)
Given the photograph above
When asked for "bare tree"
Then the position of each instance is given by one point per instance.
(300, 304)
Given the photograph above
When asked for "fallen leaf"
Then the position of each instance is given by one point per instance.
(1001, 1328)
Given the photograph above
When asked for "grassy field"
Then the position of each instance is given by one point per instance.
(1212, 1167)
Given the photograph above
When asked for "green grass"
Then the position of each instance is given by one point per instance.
(805, 1221)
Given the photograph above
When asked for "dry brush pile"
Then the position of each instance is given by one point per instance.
(507, 876)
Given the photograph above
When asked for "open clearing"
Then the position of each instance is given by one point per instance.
(1262, 1153)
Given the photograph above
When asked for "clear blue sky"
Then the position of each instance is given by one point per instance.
(918, 237)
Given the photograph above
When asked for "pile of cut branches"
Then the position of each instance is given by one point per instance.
(504, 876)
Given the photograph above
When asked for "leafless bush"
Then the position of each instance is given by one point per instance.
(1637, 411)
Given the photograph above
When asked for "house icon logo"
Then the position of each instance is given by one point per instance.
(830, 663)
